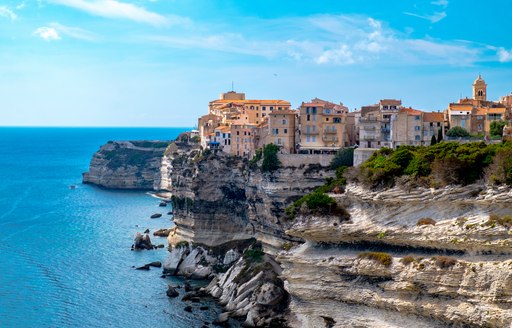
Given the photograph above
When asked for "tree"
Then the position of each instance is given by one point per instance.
(270, 160)
(457, 131)
(439, 135)
(497, 128)
(433, 140)
(344, 157)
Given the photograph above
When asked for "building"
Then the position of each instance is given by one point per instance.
(432, 123)
(322, 127)
(376, 123)
(476, 114)
(407, 130)
(282, 130)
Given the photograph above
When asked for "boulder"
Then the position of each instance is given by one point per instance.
(142, 241)
(177, 255)
(188, 308)
(156, 264)
(162, 204)
(156, 216)
(162, 233)
(230, 257)
(146, 231)
(222, 319)
(269, 294)
(144, 267)
(172, 292)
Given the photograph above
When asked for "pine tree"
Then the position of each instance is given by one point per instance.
(439, 135)
(433, 141)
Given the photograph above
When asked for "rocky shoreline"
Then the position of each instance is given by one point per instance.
(423, 257)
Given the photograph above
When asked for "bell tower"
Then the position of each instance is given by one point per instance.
(479, 89)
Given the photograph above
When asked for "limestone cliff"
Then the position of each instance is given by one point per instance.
(454, 271)
(219, 198)
(127, 165)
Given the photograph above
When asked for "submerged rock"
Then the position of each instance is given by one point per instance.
(162, 204)
(172, 292)
(156, 216)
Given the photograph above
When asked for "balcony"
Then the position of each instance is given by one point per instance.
(330, 132)
(368, 119)
(369, 138)
(385, 130)
(310, 133)
(329, 139)
(369, 128)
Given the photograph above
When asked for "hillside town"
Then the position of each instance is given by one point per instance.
(240, 126)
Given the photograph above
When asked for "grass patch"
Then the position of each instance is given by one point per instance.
(182, 244)
(505, 221)
(383, 258)
(254, 255)
(445, 262)
(406, 260)
(426, 221)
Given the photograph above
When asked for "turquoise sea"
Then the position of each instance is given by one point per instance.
(65, 258)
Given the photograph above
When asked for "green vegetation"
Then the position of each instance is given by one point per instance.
(505, 221)
(181, 203)
(438, 165)
(457, 131)
(406, 260)
(270, 160)
(254, 255)
(383, 258)
(433, 140)
(344, 157)
(195, 139)
(182, 244)
(150, 144)
(445, 262)
(287, 246)
(439, 135)
(426, 221)
(253, 163)
(497, 128)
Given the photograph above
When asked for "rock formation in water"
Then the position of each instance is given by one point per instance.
(127, 165)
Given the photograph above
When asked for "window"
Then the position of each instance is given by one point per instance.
(252, 107)
(217, 134)
(280, 108)
(307, 128)
(307, 110)
(308, 118)
(314, 118)
(417, 128)
(263, 114)
(417, 117)
(285, 131)
(284, 122)
(279, 141)
(245, 133)
(308, 139)
(237, 133)
(337, 120)
(431, 123)
(313, 139)
(257, 114)
(327, 111)
(313, 110)
(417, 137)
(438, 123)
(327, 119)
(271, 107)
(263, 108)
(237, 140)
(249, 133)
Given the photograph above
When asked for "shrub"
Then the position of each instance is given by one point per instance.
(497, 128)
(500, 170)
(317, 202)
(182, 244)
(505, 221)
(270, 159)
(457, 131)
(445, 262)
(287, 246)
(426, 221)
(344, 157)
(380, 257)
(257, 157)
(406, 260)
(254, 255)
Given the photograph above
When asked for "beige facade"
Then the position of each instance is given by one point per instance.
(376, 123)
(407, 128)
(282, 129)
(322, 126)
(243, 139)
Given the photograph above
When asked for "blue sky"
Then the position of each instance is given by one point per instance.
(159, 62)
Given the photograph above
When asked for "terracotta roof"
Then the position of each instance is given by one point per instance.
(479, 111)
(411, 111)
(249, 101)
(285, 112)
(496, 111)
(312, 104)
(433, 117)
(390, 102)
(223, 128)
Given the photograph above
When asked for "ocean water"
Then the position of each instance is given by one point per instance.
(65, 258)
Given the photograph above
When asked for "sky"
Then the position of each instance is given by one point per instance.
(159, 62)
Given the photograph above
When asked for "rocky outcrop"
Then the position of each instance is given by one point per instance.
(454, 271)
(127, 165)
(218, 198)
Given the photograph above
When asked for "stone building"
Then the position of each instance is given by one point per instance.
(282, 130)
(376, 123)
(322, 127)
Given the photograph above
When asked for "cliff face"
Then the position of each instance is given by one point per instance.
(456, 272)
(127, 165)
(218, 198)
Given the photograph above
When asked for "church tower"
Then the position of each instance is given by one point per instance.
(479, 89)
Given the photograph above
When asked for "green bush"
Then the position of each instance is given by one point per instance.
(270, 160)
(317, 202)
(505, 221)
(182, 244)
(497, 128)
(383, 258)
(457, 131)
(253, 163)
(344, 157)
(254, 255)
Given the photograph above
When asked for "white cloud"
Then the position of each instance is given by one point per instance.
(504, 55)
(7, 13)
(341, 56)
(21, 5)
(74, 32)
(434, 18)
(442, 3)
(120, 10)
(47, 33)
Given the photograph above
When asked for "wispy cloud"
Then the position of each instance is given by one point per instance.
(442, 3)
(7, 13)
(74, 32)
(121, 10)
(504, 56)
(47, 33)
(434, 18)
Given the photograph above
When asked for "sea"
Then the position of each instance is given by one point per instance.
(65, 258)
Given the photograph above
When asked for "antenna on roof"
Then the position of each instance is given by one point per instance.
(232, 86)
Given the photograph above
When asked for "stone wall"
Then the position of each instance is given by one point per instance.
(297, 160)
(362, 154)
